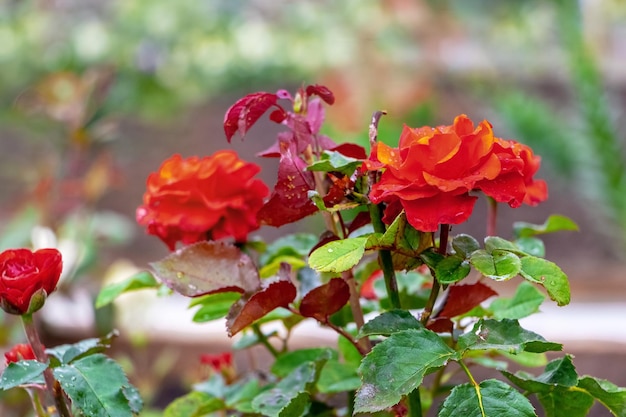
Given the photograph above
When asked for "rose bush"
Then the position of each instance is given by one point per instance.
(25, 274)
(432, 172)
(196, 199)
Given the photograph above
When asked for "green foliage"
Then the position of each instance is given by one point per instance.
(213, 306)
(140, 280)
(498, 265)
(194, 404)
(21, 373)
(390, 322)
(338, 255)
(549, 275)
(65, 354)
(524, 302)
(554, 223)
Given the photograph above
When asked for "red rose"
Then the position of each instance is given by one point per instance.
(432, 172)
(25, 275)
(217, 362)
(22, 351)
(196, 199)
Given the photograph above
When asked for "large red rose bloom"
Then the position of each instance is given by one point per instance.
(195, 199)
(433, 170)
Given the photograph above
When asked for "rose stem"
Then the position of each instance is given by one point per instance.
(38, 349)
(492, 214)
(444, 230)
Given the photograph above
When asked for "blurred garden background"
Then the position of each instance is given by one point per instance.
(96, 94)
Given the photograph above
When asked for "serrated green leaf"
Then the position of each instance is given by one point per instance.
(21, 373)
(397, 366)
(289, 361)
(96, 385)
(239, 395)
(554, 223)
(333, 161)
(609, 394)
(194, 404)
(559, 372)
(492, 398)
(549, 275)
(505, 335)
(338, 255)
(390, 322)
(498, 265)
(531, 246)
(140, 280)
(497, 243)
(338, 377)
(213, 306)
(464, 245)
(70, 352)
(563, 402)
(452, 269)
(524, 302)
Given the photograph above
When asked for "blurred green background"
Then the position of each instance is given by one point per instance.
(95, 94)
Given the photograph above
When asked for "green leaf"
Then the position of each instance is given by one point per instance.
(397, 366)
(240, 395)
(97, 386)
(559, 372)
(464, 245)
(338, 255)
(213, 306)
(22, 372)
(338, 377)
(288, 362)
(505, 335)
(609, 394)
(291, 396)
(531, 246)
(549, 275)
(497, 243)
(297, 245)
(140, 280)
(333, 161)
(390, 322)
(563, 402)
(524, 302)
(492, 398)
(348, 352)
(64, 354)
(498, 265)
(194, 404)
(554, 223)
(452, 269)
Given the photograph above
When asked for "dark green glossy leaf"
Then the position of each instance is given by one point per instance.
(464, 245)
(390, 322)
(559, 372)
(97, 386)
(333, 161)
(549, 275)
(524, 302)
(498, 265)
(492, 398)
(21, 373)
(497, 243)
(531, 246)
(563, 402)
(609, 394)
(338, 255)
(140, 280)
(397, 366)
(554, 223)
(452, 269)
(67, 353)
(338, 377)
(505, 335)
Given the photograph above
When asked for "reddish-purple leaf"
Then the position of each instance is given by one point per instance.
(351, 150)
(325, 300)
(249, 309)
(463, 298)
(282, 143)
(337, 191)
(289, 201)
(360, 220)
(323, 92)
(278, 115)
(246, 111)
(440, 325)
(207, 268)
(315, 115)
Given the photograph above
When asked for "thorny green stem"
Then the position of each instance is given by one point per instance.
(444, 230)
(263, 339)
(52, 386)
(492, 215)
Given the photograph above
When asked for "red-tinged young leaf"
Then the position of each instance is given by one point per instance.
(463, 298)
(440, 325)
(339, 189)
(278, 115)
(351, 150)
(289, 201)
(207, 268)
(249, 309)
(246, 111)
(322, 92)
(359, 221)
(325, 300)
